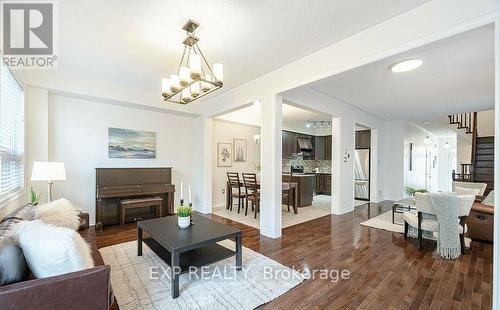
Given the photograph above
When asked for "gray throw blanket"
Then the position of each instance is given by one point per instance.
(446, 207)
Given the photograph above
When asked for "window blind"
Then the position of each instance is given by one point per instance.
(11, 134)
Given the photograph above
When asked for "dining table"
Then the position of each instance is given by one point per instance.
(289, 187)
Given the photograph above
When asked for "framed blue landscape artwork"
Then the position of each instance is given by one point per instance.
(133, 144)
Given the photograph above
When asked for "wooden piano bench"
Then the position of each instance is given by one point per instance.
(153, 201)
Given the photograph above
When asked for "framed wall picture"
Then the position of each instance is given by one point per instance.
(240, 150)
(132, 144)
(224, 154)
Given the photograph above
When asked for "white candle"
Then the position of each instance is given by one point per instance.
(182, 195)
(189, 193)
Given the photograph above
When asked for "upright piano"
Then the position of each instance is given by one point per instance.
(113, 184)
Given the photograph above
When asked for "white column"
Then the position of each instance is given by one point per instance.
(496, 238)
(270, 178)
(343, 165)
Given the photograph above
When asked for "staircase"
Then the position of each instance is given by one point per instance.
(483, 162)
(481, 168)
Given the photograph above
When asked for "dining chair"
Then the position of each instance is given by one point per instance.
(251, 192)
(423, 205)
(233, 180)
(285, 193)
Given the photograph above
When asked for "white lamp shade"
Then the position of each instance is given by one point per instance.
(184, 75)
(48, 171)
(175, 82)
(206, 86)
(195, 90)
(195, 66)
(165, 86)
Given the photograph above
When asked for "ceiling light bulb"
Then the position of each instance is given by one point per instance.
(165, 87)
(186, 95)
(427, 140)
(195, 89)
(175, 83)
(205, 86)
(308, 125)
(195, 66)
(406, 65)
(184, 75)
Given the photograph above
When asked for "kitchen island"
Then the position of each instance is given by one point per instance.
(305, 187)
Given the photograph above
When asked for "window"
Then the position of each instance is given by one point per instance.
(11, 134)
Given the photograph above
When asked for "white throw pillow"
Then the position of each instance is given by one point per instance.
(51, 250)
(490, 199)
(467, 191)
(59, 213)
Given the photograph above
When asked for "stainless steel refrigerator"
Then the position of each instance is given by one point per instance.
(362, 174)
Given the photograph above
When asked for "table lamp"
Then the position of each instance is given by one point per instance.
(49, 172)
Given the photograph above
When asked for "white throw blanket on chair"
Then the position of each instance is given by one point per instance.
(446, 207)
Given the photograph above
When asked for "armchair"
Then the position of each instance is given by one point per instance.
(461, 187)
(424, 206)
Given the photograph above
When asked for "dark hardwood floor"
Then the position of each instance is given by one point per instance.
(387, 272)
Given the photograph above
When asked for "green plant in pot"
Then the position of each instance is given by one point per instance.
(411, 191)
(35, 198)
(184, 216)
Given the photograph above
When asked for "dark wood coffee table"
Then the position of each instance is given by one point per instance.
(194, 246)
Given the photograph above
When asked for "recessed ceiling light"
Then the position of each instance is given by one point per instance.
(406, 65)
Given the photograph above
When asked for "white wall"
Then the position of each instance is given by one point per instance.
(225, 132)
(464, 148)
(392, 163)
(486, 123)
(424, 174)
(78, 136)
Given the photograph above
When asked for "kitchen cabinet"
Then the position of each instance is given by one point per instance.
(304, 188)
(323, 147)
(290, 145)
(363, 139)
(324, 183)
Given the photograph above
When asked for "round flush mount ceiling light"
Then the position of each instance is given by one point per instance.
(406, 65)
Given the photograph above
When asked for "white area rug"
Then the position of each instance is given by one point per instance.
(225, 289)
(288, 218)
(384, 221)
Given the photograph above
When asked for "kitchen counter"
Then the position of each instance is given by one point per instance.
(305, 187)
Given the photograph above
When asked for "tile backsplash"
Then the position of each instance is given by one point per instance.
(324, 166)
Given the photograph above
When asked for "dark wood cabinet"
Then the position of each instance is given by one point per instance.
(289, 144)
(319, 148)
(304, 188)
(323, 147)
(328, 148)
(324, 183)
(363, 139)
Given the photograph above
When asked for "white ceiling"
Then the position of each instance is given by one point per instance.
(137, 42)
(293, 117)
(457, 75)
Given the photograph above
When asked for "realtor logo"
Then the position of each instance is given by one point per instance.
(28, 34)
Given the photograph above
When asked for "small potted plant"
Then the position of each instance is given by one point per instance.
(35, 198)
(410, 191)
(184, 216)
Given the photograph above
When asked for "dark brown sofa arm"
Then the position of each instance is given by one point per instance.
(86, 289)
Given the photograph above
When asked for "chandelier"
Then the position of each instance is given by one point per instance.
(194, 77)
(319, 124)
